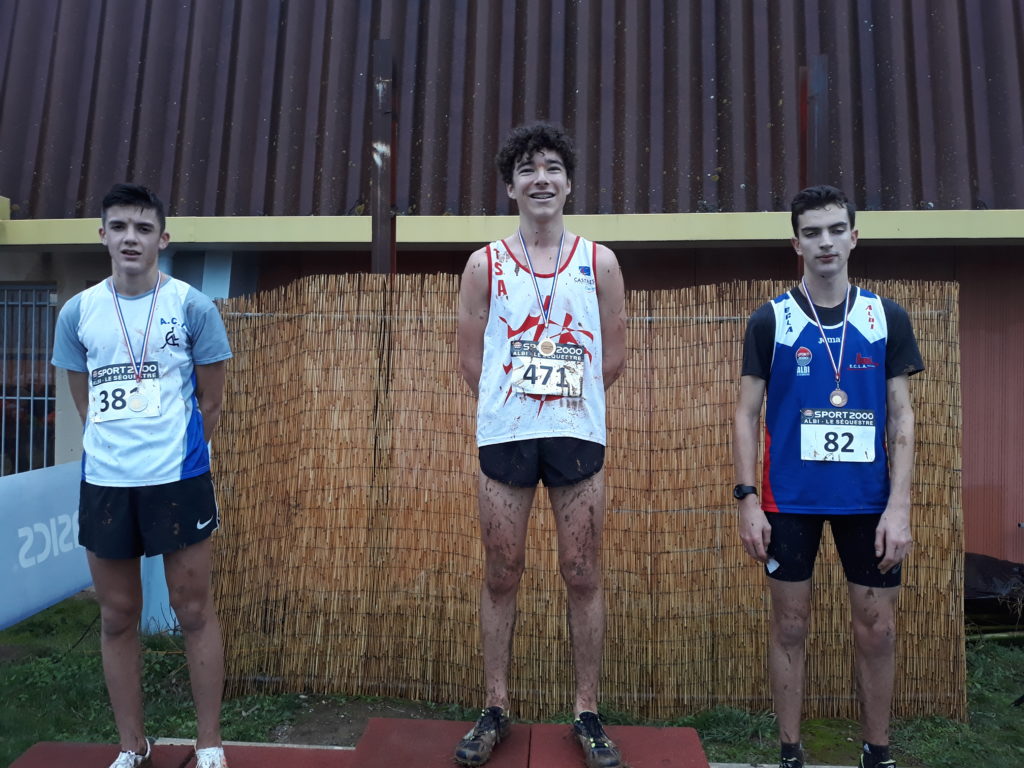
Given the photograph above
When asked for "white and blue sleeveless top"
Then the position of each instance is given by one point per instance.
(148, 432)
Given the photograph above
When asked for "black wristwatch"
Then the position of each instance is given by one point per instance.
(741, 492)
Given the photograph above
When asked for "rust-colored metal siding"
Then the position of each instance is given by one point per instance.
(264, 106)
(992, 358)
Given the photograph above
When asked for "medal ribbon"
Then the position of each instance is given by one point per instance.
(137, 367)
(545, 312)
(837, 368)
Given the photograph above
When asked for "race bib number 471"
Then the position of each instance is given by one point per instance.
(837, 435)
(546, 368)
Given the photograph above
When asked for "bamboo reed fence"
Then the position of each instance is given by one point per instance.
(349, 559)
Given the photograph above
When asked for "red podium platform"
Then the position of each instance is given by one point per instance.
(50, 754)
(398, 743)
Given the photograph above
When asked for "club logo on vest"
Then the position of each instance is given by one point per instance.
(585, 278)
(803, 361)
(861, 362)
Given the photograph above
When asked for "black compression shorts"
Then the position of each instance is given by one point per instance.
(796, 538)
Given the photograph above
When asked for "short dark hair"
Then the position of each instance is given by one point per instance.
(821, 196)
(134, 196)
(527, 140)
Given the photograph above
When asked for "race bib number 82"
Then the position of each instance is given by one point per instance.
(837, 435)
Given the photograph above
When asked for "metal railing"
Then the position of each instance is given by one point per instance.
(27, 384)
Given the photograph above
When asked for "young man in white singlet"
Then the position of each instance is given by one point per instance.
(144, 355)
(542, 327)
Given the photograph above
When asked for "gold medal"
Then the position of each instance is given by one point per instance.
(546, 347)
(838, 398)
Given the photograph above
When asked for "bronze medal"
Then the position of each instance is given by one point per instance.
(546, 347)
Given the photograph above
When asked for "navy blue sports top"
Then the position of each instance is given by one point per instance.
(820, 459)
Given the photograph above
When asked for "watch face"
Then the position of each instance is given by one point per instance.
(740, 492)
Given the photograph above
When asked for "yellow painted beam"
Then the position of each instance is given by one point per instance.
(242, 231)
(256, 231)
(964, 226)
(465, 232)
(653, 228)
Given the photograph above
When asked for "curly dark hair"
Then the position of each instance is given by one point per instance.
(821, 196)
(527, 140)
(134, 196)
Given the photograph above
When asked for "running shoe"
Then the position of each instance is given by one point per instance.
(791, 762)
(211, 757)
(476, 746)
(866, 761)
(599, 751)
(128, 759)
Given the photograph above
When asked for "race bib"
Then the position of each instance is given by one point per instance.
(547, 368)
(114, 393)
(837, 435)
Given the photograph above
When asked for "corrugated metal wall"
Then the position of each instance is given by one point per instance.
(265, 106)
(992, 359)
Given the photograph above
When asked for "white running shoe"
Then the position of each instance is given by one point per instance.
(129, 759)
(210, 757)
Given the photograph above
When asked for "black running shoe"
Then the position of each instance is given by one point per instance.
(867, 762)
(599, 751)
(791, 762)
(476, 746)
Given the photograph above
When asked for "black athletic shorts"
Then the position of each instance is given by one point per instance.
(120, 523)
(555, 460)
(796, 538)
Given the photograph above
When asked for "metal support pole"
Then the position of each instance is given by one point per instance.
(818, 135)
(382, 248)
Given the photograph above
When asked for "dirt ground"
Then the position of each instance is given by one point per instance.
(341, 724)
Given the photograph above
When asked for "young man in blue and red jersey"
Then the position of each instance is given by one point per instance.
(542, 326)
(831, 362)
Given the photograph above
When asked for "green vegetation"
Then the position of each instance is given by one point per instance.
(51, 688)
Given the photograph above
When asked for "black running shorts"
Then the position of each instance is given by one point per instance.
(120, 523)
(796, 538)
(555, 460)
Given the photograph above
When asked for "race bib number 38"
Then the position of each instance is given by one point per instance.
(837, 435)
(546, 368)
(114, 393)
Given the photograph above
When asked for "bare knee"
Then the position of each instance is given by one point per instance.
(790, 626)
(503, 574)
(875, 635)
(193, 610)
(120, 614)
(582, 576)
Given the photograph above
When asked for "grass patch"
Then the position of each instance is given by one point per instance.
(52, 689)
(994, 734)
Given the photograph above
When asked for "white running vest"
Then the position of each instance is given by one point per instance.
(539, 381)
(149, 432)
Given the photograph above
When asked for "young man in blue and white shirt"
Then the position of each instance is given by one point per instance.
(830, 362)
(145, 358)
